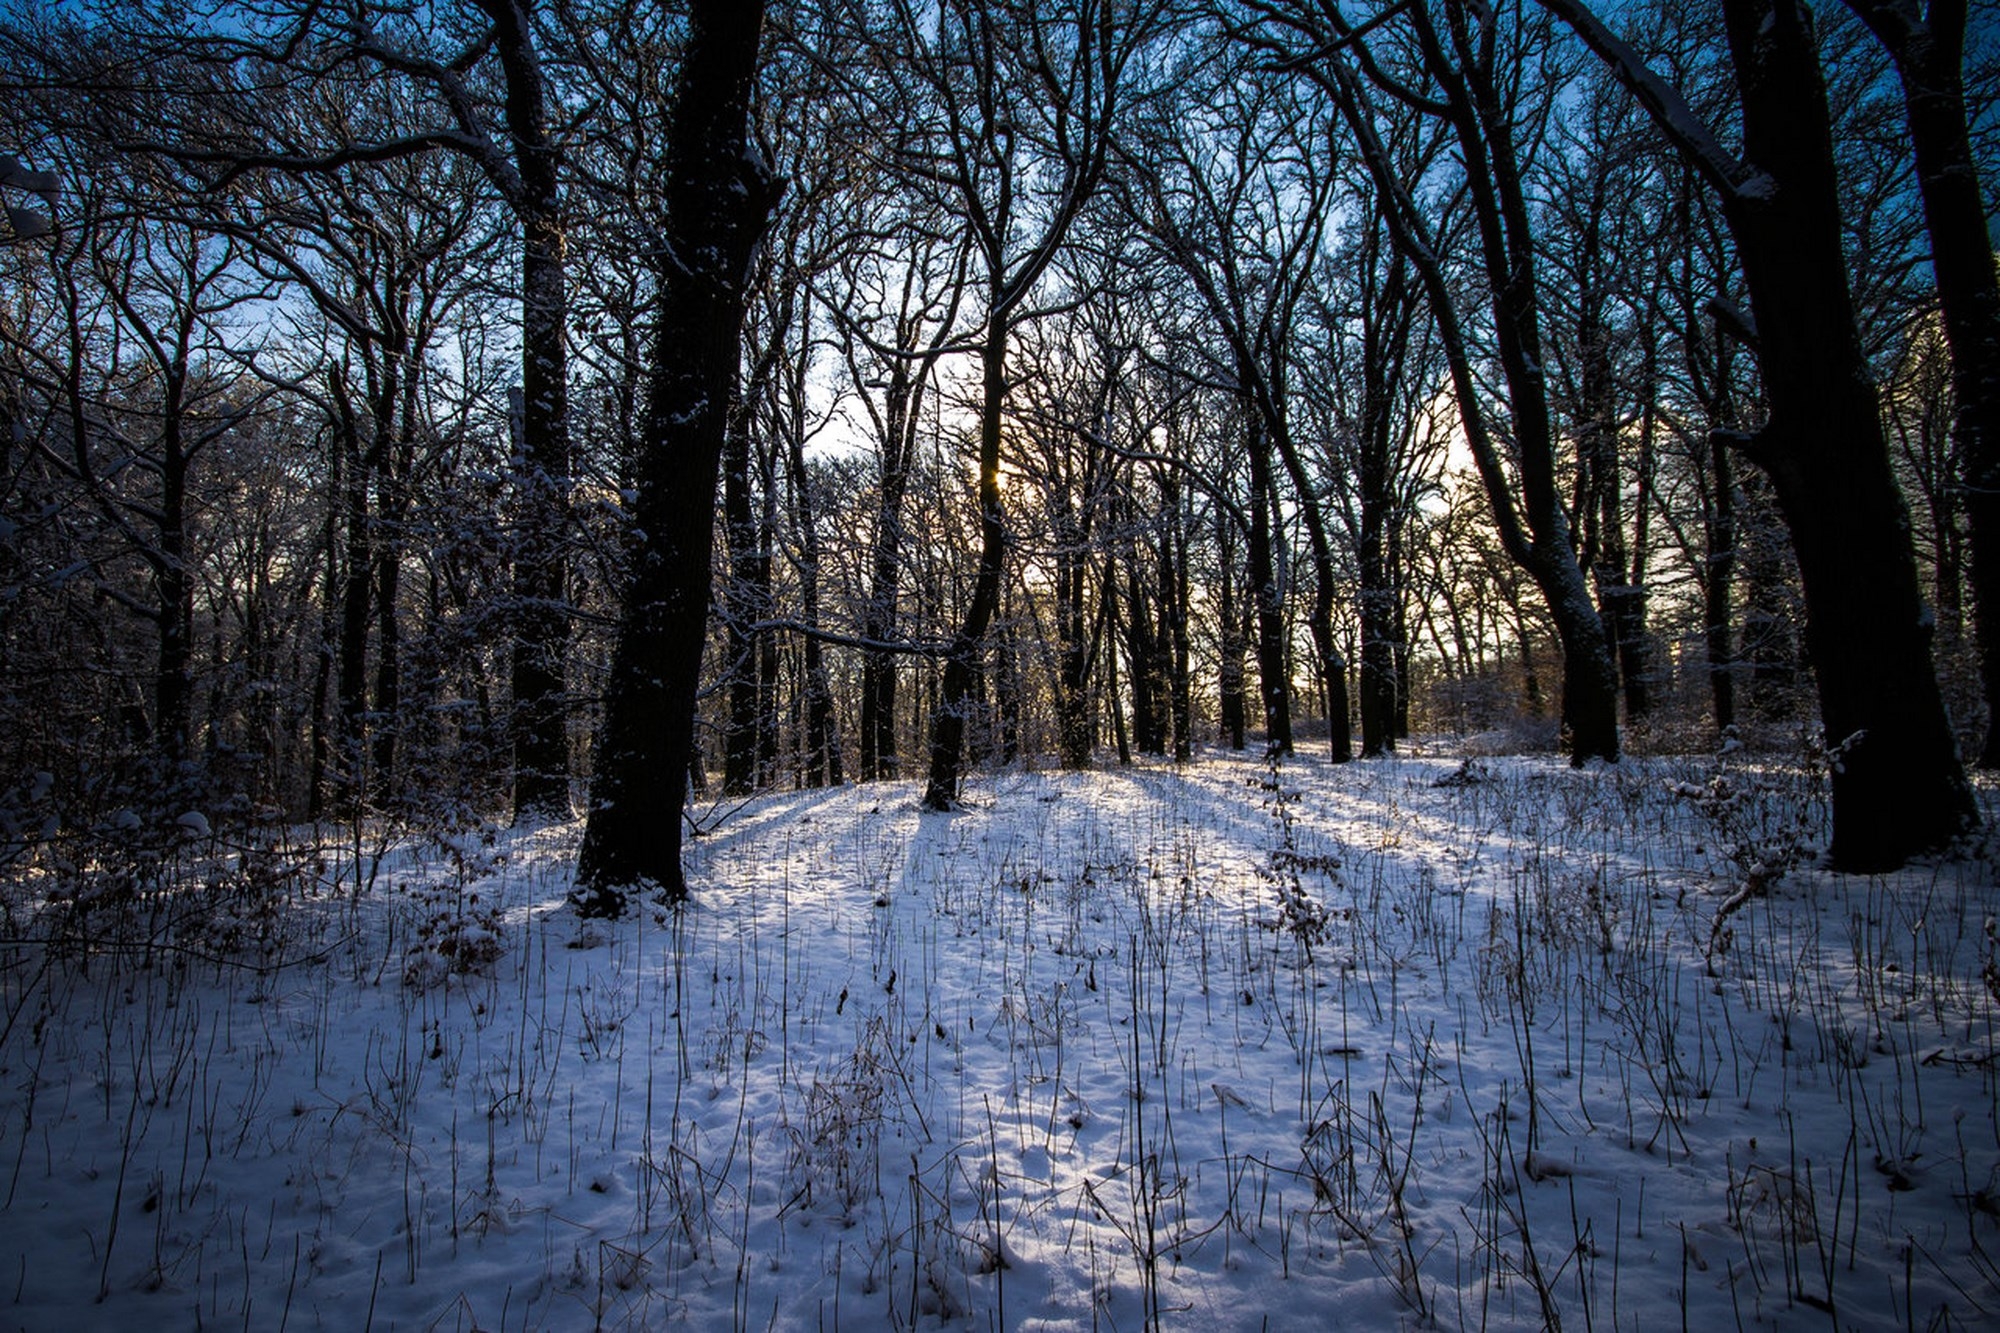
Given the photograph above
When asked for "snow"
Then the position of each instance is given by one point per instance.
(1361, 1046)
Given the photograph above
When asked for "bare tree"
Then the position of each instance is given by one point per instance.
(1023, 98)
(505, 128)
(1471, 59)
(719, 198)
(1899, 788)
(1237, 195)
(897, 311)
(1927, 42)
(1373, 363)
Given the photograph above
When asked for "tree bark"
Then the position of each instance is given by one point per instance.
(1319, 616)
(351, 729)
(1229, 685)
(961, 663)
(1078, 635)
(1174, 613)
(1899, 788)
(1528, 514)
(1927, 43)
(719, 198)
(541, 576)
(1717, 577)
(1267, 595)
(745, 601)
(1387, 316)
(879, 758)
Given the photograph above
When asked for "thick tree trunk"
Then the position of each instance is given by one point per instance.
(1929, 51)
(718, 203)
(1590, 675)
(1388, 317)
(1143, 656)
(878, 712)
(1601, 512)
(1378, 631)
(1378, 594)
(541, 574)
(541, 593)
(1899, 788)
(1267, 595)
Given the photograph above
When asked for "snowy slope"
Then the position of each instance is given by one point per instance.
(1368, 1046)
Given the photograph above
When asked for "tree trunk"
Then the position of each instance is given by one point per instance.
(718, 202)
(822, 740)
(1899, 788)
(1174, 611)
(173, 683)
(1717, 576)
(388, 711)
(1531, 523)
(1007, 694)
(1628, 609)
(1267, 595)
(1319, 616)
(320, 726)
(541, 593)
(1230, 711)
(1929, 51)
(1378, 633)
(961, 663)
(1142, 657)
(1399, 610)
(350, 732)
(878, 664)
(742, 605)
(1111, 691)
(1385, 335)
(1076, 650)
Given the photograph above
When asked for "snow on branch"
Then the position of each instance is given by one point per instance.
(1734, 179)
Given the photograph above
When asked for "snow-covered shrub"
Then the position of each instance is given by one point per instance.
(1764, 820)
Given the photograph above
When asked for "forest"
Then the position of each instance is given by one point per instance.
(1420, 528)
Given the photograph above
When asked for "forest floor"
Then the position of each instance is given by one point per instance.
(1418, 1042)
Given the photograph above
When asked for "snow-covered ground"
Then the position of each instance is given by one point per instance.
(1413, 1042)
